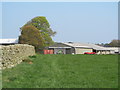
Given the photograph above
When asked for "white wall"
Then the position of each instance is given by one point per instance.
(82, 50)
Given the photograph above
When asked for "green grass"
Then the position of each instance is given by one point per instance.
(64, 71)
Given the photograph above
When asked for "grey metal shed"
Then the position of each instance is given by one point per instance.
(60, 48)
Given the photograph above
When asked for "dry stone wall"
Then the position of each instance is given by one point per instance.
(12, 55)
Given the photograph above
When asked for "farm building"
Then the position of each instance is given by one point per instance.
(94, 48)
(8, 41)
(114, 49)
(79, 48)
(61, 48)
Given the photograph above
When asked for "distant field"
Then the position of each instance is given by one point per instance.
(64, 71)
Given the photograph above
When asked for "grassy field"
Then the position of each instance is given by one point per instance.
(64, 71)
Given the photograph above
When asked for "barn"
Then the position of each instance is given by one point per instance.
(78, 48)
(66, 48)
(81, 48)
(8, 41)
(114, 50)
(61, 48)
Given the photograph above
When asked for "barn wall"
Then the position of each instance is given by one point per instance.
(56, 50)
(82, 50)
(103, 52)
(72, 50)
(12, 55)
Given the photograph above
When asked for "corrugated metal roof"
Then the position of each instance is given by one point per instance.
(8, 41)
(86, 45)
(59, 45)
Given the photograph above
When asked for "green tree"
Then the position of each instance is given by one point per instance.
(115, 43)
(43, 26)
(31, 35)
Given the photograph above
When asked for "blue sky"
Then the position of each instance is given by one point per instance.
(93, 22)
